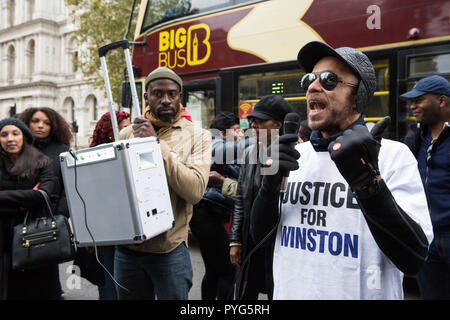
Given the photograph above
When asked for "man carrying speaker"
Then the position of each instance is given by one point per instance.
(354, 217)
(255, 277)
(161, 266)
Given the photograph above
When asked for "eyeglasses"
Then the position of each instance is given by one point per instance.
(328, 80)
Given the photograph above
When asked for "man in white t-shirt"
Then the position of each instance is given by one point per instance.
(354, 217)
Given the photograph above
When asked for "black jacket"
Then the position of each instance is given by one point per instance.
(16, 197)
(213, 194)
(247, 190)
(435, 173)
(52, 150)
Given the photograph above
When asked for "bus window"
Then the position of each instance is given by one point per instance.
(253, 87)
(379, 107)
(164, 10)
(428, 65)
(200, 105)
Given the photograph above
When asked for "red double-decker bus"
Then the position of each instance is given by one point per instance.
(230, 53)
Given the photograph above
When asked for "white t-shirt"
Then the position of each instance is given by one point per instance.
(324, 248)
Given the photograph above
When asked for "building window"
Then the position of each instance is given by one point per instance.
(95, 109)
(72, 53)
(30, 57)
(75, 61)
(72, 110)
(11, 12)
(92, 104)
(69, 108)
(30, 9)
(11, 62)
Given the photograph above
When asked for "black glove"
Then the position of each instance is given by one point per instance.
(355, 153)
(284, 147)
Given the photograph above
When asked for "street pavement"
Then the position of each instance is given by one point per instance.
(77, 288)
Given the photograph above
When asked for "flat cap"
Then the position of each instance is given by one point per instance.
(357, 61)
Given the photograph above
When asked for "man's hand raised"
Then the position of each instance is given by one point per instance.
(355, 153)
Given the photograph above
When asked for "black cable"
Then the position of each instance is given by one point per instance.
(86, 224)
(267, 236)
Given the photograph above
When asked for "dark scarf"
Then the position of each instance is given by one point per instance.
(42, 143)
(321, 144)
(5, 166)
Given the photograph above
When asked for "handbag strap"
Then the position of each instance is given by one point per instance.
(47, 204)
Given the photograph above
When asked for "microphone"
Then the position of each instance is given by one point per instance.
(291, 125)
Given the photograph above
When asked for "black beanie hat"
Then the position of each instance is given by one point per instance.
(19, 124)
(224, 120)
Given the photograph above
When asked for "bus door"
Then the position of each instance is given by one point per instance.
(199, 98)
(415, 64)
(383, 102)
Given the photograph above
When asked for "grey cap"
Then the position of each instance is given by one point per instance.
(19, 124)
(357, 61)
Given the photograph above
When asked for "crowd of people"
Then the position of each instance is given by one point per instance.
(359, 211)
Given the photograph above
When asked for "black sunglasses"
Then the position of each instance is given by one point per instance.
(328, 80)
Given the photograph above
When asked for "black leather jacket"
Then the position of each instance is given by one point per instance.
(52, 150)
(248, 185)
(247, 190)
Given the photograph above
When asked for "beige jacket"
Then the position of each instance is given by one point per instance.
(186, 151)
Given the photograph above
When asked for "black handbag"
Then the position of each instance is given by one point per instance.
(41, 241)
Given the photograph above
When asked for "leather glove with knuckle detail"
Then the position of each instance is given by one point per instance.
(284, 147)
(355, 153)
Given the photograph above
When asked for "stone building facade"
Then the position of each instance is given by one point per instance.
(37, 48)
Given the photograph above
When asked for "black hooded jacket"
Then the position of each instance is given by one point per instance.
(52, 150)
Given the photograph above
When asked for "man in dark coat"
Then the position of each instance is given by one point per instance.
(429, 140)
(256, 277)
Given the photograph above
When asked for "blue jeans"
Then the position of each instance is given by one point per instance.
(434, 278)
(166, 275)
(108, 290)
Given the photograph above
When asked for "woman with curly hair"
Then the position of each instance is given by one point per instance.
(53, 136)
(103, 132)
(23, 168)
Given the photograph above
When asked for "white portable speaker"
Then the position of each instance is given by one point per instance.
(117, 193)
